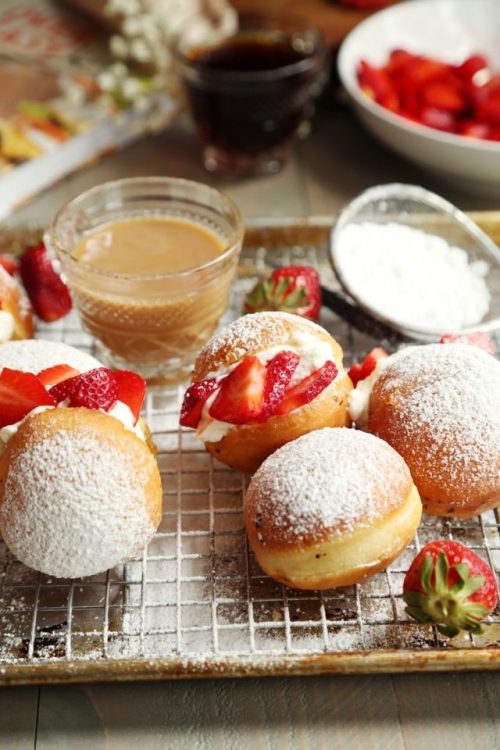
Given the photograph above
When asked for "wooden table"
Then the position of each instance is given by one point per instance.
(385, 712)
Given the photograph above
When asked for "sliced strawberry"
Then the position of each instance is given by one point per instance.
(20, 393)
(355, 373)
(47, 291)
(194, 401)
(476, 338)
(54, 375)
(293, 289)
(438, 119)
(448, 584)
(10, 264)
(96, 389)
(474, 129)
(472, 65)
(279, 373)
(370, 361)
(308, 389)
(241, 396)
(440, 95)
(376, 84)
(131, 390)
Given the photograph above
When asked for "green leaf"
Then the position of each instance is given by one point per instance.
(448, 630)
(418, 614)
(442, 568)
(426, 574)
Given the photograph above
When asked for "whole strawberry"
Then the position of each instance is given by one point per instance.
(47, 291)
(292, 289)
(449, 585)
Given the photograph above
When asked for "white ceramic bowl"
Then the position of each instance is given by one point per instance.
(450, 30)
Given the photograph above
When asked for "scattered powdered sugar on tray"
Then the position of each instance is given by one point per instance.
(335, 479)
(411, 277)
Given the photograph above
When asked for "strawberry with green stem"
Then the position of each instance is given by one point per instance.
(291, 289)
(449, 585)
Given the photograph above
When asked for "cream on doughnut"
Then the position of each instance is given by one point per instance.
(330, 509)
(16, 317)
(439, 407)
(80, 490)
(264, 380)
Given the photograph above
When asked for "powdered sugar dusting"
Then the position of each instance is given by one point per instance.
(34, 355)
(83, 506)
(252, 333)
(452, 396)
(333, 480)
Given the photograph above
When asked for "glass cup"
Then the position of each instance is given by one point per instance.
(153, 324)
(251, 92)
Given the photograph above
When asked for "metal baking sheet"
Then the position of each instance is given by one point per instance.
(197, 604)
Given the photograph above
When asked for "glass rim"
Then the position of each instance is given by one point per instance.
(238, 228)
(258, 76)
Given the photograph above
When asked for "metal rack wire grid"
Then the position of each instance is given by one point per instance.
(197, 594)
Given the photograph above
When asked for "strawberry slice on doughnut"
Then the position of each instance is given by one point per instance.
(242, 393)
(361, 371)
(55, 375)
(308, 389)
(194, 401)
(20, 393)
(95, 389)
(279, 373)
(131, 390)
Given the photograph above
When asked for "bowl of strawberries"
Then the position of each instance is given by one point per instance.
(424, 77)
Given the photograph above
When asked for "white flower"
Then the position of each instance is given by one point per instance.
(106, 80)
(119, 70)
(140, 51)
(131, 88)
(119, 46)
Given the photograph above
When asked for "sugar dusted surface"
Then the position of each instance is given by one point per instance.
(455, 400)
(84, 509)
(330, 480)
(34, 355)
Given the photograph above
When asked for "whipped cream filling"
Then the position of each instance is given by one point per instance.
(120, 411)
(359, 398)
(6, 326)
(313, 354)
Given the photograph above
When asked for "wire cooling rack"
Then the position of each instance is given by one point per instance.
(197, 604)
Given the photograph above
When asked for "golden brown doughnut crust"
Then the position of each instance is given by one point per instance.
(13, 300)
(246, 446)
(330, 509)
(439, 408)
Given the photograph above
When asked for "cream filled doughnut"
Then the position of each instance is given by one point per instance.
(16, 316)
(80, 489)
(439, 407)
(264, 380)
(330, 509)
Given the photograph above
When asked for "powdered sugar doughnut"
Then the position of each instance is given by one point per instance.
(264, 334)
(79, 493)
(330, 509)
(34, 355)
(439, 407)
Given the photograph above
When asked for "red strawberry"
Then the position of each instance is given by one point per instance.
(308, 389)
(20, 393)
(9, 263)
(95, 389)
(472, 65)
(476, 338)
(293, 289)
(241, 396)
(131, 390)
(361, 371)
(441, 95)
(279, 373)
(449, 585)
(54, 375)
(194, 401)
(47, 291)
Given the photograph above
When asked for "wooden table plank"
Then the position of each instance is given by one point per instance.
(452, 712)
(273, 714)
(18, 715)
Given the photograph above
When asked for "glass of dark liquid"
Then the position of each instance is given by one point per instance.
(251, 92)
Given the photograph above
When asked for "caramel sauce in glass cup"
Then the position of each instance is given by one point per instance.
(151, 322)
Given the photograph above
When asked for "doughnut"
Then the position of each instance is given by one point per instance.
(319, 379)
(80, 489)
(16, 317)
(35, 355)
(331, 508)
(439, 407)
